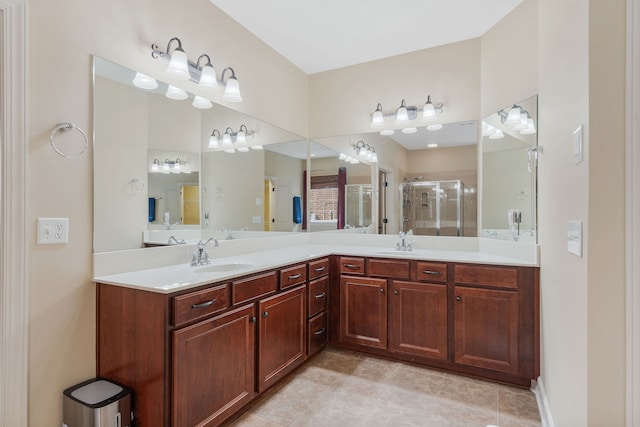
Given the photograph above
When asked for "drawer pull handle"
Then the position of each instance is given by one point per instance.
(322, 295)
(265, 314)
(458, 299)
(352, 266)
(204, 304)
(320, 332)
(320, 269)
(434, 273)
(295, 276)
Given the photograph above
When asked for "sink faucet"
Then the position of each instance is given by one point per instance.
(178, 242)
(404, 244)
(201, 257)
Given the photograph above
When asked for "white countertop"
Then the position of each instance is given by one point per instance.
(178, 277)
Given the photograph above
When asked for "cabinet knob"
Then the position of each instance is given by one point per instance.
(252, 319)
(395, 292)
(265, 314)
(382, 290)
(458, 299)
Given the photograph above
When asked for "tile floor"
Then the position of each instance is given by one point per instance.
(341, 388)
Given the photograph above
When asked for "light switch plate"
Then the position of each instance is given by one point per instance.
(257, 220)
(574, 238)
(578, 155)
(53, 231)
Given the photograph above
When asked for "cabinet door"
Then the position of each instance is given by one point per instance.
(282, 341)
(213, 368)
(418, 314)
(487, 328)
(363, 311)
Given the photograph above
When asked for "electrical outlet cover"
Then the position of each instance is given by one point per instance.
(53, 231)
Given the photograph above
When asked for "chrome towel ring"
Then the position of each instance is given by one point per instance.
(65, 127)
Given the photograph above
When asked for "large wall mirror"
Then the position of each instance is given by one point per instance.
(425, 179)
(509, 172)
(155, 171)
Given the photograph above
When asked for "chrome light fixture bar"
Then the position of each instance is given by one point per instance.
(404, 114)
(181, 68)
(365, 151)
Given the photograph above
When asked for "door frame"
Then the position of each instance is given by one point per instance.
(14, 241)
(633, 214)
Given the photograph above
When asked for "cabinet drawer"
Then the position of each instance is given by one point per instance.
(317, 333)
(253, 287)
(317, 296)
(497, 277)
(396, 269)
(318, 268)
(431, 271)
(352, 265)
(196, 305)
(293, 276)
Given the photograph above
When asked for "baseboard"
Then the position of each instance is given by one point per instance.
(543, 403)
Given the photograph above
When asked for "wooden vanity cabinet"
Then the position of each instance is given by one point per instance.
(213, 364)
(476, 319)
(282, 324)
(363, 311)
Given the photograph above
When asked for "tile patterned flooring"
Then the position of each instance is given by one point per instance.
(341, 388)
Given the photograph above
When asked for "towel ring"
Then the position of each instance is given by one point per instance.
(66, 127)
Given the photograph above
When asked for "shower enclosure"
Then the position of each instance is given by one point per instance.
(432, 208)
(358, 205)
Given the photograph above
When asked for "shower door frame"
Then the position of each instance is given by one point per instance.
(459, 207)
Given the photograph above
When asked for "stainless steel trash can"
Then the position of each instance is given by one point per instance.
(97, 403)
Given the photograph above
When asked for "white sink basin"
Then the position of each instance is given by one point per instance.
(220, 268)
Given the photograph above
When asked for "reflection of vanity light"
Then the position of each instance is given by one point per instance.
(432, 145)
(213, 139)
(436, 126)
(144, 82)
(176, 93)
(498, 134)
(530, 129)
(410, 130)
(166, 166)
(256, 147)
(226, 138)
(155, 167)
(176, 165)
(342, 156)
(202, 103)
(387, 132)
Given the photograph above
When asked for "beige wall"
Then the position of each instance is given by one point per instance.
(62, 37)
(581, 75)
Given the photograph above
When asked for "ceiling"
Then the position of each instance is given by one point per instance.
(324, 35)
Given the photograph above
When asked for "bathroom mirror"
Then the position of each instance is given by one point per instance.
(330, 206)
(447, 153)
(509, 172)
(127, 193)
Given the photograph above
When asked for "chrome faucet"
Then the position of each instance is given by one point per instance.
(178, 242)
(201, 257)
(405, 242)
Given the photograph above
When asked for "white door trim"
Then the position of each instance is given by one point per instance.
(633, 214)
(14, 331)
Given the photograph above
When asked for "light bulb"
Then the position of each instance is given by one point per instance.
(208, 81)
(232, 90)
(178, 68)
(201, 103)
(241, 136)
(428, 111)
(226, 139)
(144, 82)
(213, 141)
(402, 115)
(530, 129)
(513, 118)
(377, 118)
(176, 93)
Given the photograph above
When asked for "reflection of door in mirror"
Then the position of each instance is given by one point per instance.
(190, 204)
(268, 204)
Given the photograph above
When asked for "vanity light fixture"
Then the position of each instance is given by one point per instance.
(241, 136)
(365, 151)
(404, 114)
(177, 165)
(144, 82)
(166, 166)
(213, 139)
(176, 93)
(208, 81)
(226, 141)
(232, 87)
(155, 166)
(180, 68)
(201, 103)
(518, 119)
